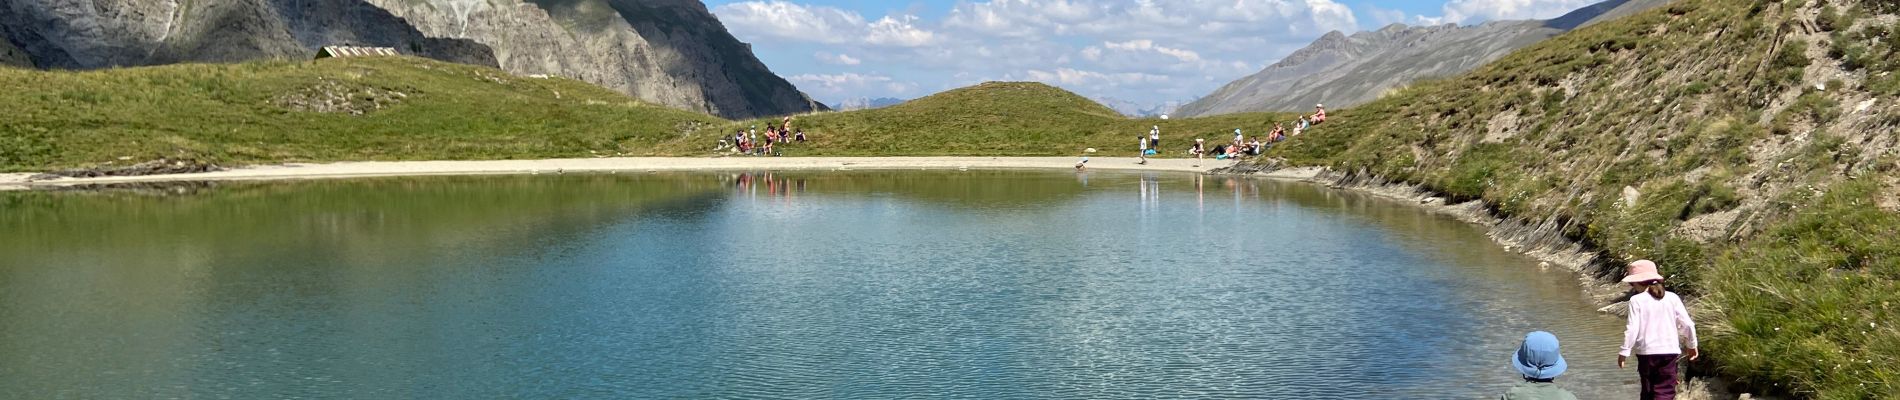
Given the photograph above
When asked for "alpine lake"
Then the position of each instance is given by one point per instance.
(800, 284)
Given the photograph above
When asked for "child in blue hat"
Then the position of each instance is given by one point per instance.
(1539, 362)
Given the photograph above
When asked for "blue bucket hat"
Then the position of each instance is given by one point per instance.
(1538, 358)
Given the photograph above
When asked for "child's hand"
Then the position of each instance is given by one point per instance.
(1620, 359)
(1693, 354)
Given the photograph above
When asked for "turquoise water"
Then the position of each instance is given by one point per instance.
(788, 285)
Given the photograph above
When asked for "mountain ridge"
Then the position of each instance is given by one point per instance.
(1343, 70)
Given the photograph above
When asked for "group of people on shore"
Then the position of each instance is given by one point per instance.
(1659, 334)
(1241, 145)
(747, 141)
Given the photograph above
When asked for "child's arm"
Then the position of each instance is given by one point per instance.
(1629, 333)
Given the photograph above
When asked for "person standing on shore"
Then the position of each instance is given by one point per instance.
(1154, 138)
(1142, 153)
(1659, 327)
(1200, 152)
(1539, 362)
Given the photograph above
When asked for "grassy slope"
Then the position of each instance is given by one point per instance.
(235, 113)
(1772, 200)
(996, 118)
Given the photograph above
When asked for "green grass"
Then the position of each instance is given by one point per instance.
(991, 119)
(237, 114)
(1610, 106)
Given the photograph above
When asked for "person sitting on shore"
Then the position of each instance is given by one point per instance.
(801, 135)
(1319, 114)
(771, 134)
(1233, 152)
(1255, 146)
(1539, 361)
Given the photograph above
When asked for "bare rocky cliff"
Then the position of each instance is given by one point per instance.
(671, 52)
(1342, 71)
(75, 34)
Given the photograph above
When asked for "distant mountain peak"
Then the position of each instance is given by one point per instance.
(1344, 70)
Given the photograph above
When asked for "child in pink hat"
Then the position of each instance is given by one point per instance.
(1659, 327)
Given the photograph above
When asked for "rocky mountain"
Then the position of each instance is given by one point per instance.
(71, 34)
(868, 103)
(1342, 71)
(1133, 109)
(671, 52)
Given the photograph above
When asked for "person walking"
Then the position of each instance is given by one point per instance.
(1142, 153)
(1539, 362)
(1659, 332)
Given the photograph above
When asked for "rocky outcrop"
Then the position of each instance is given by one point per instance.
(1342, 71)
(671, 52)
(12, 56)
(74, 34)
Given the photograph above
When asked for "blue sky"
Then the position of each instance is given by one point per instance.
(1145, 52)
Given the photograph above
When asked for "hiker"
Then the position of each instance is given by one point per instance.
(1154, 138)
(1659, 326)
(1199, 152)
(1539, 362)
(1319, 114)
(1142, 153)
(801, 135)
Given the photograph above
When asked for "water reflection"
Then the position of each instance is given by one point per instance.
(767, 284)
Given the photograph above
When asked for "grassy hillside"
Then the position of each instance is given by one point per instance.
(333, 109)
(996, 118)
(1748, 146)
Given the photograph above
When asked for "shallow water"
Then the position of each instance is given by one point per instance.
(790, 285)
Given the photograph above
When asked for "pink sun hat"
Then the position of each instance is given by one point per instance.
(1642, 271)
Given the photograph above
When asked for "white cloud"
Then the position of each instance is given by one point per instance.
(837, 59)
(1147, 50)
(852, 85)
(788, 21)
(1149, 45)
(899, 32)
(1474, 11)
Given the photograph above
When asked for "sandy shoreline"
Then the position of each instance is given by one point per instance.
(634, 164)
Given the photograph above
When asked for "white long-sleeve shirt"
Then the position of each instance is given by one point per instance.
(1657, 326)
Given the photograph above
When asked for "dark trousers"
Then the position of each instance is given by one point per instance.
(1658, 373)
